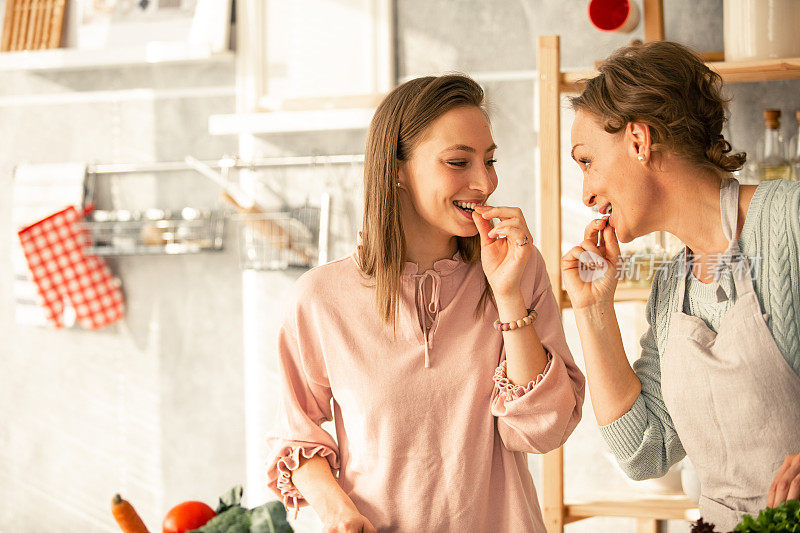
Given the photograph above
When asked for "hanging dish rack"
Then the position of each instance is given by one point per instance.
(152, 231)
(280, 237)
(283, 238)
(269, 239)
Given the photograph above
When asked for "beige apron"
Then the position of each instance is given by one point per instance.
(733, 398)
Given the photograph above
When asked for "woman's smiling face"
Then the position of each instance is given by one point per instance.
(614, 180)
(454, 162)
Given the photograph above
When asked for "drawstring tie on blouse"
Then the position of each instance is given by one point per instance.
(431, 310)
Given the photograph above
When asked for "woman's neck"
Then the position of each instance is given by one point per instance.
(426, 246)
(425, 254)
(691, 211)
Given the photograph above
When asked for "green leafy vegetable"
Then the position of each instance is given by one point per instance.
(233, 518)
(785, 518)
(269, 518)
(232, 498)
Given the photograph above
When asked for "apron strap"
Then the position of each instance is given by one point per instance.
(732, 256)
(729, 209)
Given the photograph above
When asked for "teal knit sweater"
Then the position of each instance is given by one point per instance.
(644, 440)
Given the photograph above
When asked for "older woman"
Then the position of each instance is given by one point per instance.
(718, 375)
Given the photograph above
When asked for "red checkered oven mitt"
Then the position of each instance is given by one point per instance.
(54, 249)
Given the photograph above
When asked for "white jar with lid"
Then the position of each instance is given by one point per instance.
(761, 29)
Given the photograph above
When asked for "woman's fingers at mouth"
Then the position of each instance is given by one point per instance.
(502, 227)
(610, 242)
(593, 228)
(503, 213)
(513, 235)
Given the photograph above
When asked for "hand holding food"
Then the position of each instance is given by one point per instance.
(589, 270)
(505, 248)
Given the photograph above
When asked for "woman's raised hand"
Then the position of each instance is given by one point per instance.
(503, 260)
(590, 271)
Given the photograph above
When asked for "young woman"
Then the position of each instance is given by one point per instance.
(718, 375)
(434, 407)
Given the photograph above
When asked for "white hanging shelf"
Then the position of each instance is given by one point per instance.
(75, 59)
(291, 121)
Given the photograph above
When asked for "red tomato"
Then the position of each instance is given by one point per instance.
(187, 516)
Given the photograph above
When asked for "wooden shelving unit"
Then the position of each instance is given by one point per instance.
(647, 509)
(731, 71)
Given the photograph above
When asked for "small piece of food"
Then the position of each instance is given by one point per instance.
(126, 516)
(187, 516)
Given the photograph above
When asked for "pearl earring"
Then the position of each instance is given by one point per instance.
(640, 157)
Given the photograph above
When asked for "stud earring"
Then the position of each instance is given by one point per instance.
(398, 184)
(640, 157)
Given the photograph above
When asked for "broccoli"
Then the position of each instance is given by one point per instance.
(233, 518)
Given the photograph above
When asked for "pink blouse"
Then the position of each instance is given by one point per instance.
(430, 433)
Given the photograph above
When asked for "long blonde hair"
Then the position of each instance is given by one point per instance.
(399, 122)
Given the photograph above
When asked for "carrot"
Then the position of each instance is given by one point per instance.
(126, 516)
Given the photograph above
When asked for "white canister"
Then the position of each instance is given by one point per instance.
(761, 29)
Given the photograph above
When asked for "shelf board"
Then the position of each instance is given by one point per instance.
(568, 80)
(291, 121)
(731, 72)
(651, 506)
(622, 294)
(73, 59)
(762, 70)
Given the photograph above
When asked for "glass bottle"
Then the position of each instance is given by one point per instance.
(771, 153)
(794, 150)
(747, 175)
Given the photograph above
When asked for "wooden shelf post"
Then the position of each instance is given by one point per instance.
(653, 20)
(548, 65)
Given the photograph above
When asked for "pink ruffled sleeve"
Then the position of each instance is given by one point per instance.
(538, 416)
(510, 392)
(305, 404)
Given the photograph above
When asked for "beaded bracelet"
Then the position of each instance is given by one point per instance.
(521, 323)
